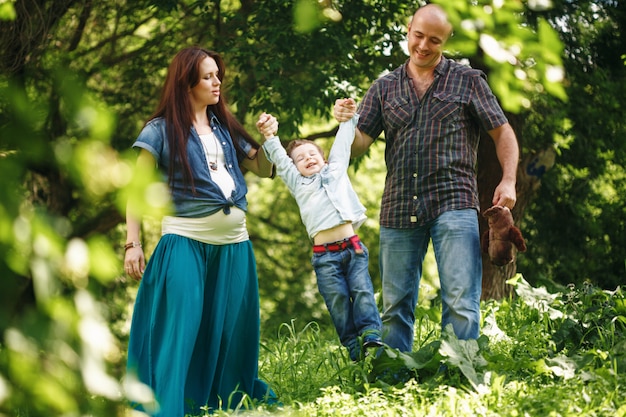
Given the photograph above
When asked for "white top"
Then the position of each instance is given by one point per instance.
(216, 163)
(216, 229)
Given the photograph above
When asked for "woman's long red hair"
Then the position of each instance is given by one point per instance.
(175, 107)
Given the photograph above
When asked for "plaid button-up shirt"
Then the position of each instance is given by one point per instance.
(431, 145)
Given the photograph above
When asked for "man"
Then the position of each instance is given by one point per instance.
(431, 110)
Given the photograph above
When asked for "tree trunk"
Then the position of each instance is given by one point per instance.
(529, 172)
(489, 175)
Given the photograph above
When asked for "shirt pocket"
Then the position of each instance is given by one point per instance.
(397, 112)
(446, 108)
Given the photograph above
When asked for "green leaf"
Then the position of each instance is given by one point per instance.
(464, 354)
(7, 11)
(562, 366)
(537, 298)
(551, 45)
(394, 367)
(306, 17)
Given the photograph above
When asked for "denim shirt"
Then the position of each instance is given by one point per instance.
(326, 199)
(208, 197)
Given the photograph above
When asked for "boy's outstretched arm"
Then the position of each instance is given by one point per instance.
(343, 110)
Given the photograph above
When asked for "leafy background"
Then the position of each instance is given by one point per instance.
(78, 78)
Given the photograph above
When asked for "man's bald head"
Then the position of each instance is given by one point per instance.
(435, 14)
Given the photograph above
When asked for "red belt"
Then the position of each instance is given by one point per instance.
(340, 245)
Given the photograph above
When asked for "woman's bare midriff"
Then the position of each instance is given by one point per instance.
(335, 234)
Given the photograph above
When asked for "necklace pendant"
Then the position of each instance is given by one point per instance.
(213, 166)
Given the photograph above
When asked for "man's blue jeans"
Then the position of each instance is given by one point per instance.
(345, 284)
(456, 243)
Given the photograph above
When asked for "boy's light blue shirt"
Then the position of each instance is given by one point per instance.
(325, 199)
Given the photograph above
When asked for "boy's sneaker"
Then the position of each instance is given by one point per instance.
(372, 339)
(373, 343)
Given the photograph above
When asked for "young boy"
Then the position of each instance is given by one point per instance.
(331, 212)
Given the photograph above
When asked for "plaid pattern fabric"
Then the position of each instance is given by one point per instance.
(431, 144)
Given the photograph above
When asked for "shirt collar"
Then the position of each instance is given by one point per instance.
(440, 69)
(213, 119)
(442, 66)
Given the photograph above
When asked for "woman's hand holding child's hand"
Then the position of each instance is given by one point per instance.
(267, 125)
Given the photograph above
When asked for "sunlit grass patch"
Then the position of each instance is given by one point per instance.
(523, 365)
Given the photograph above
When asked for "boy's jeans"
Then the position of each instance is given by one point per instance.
(345, 284)
(456, 244)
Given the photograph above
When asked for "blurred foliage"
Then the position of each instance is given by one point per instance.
(521, 58)
(79, 78)
(57, 348)
(576, 225)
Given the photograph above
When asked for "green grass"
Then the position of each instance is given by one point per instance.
(541, 354)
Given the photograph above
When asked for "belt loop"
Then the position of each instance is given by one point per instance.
(356, 244)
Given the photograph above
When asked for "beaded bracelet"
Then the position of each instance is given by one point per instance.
(132, 245)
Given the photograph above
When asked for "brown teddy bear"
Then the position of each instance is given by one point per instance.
(502, 236)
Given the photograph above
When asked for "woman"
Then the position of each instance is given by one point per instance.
(194, 336)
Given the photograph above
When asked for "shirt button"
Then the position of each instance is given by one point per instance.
(415, 175)
(414, 197)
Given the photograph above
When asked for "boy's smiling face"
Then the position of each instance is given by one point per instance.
(308, 159)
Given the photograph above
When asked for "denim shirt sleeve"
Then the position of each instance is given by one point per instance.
(152, 138)
(245, 147)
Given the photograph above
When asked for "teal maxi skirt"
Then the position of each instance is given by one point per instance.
(194, 337)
